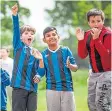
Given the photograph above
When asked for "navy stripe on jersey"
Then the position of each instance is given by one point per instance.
(33, 71)
(17, 55)
(50, 65)
(24, 69)
(63, 78)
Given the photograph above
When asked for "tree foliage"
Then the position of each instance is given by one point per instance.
(70, 14)
(6, 20)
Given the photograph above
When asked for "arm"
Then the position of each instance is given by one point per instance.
(71, 64)
(5, 79)
(40, 70)
(104, 49)
(82, 50)
(16, 30)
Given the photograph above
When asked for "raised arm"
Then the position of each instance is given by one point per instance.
(16, 30)
(82, 50)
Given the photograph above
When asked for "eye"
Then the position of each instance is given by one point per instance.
(99, 21)
(92, 21)
(53, 34)
(47, 35)
(26, 33)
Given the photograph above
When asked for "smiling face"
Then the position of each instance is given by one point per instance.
(51, 38)
(96, 22)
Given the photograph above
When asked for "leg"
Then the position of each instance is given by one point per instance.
(32, 101)
(92, 92)
(19, 99)
(67, 101)
(53, 100)
(103, 92)
(9, 94)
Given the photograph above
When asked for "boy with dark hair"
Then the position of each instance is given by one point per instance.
(26, 67)
(96, 43)
(58, 61)
(5, 81)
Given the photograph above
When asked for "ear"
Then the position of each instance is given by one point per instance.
(88, 23)
(44, 40)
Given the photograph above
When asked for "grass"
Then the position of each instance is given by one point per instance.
(80, 92)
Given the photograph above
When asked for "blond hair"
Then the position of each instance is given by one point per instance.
(27, 28)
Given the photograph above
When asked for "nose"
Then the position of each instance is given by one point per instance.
(96, 23)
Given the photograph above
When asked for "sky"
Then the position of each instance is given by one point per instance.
(37, 18)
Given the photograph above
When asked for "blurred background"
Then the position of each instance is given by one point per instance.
(65, 16)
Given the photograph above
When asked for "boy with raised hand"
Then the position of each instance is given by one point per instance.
(96, 43)
(58, 61)
(26, 67)
(4, 81)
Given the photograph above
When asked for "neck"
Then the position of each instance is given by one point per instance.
(53, 47)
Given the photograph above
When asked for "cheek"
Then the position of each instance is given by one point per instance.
(100, 25)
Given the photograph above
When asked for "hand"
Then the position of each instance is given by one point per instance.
(95, 33)
(68, 62)
(15, 9)
(79, 34)
(36, 79)
(36, 54)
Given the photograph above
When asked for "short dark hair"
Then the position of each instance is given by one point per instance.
(95, 12)
(48, 29)
(27, 28)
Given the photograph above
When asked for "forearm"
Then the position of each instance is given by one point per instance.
(16, 30)
(41, 63)
(103, 49)
(82, 50)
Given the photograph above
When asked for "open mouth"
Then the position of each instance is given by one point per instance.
(29, 39)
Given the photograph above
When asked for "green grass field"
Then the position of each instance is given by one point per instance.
(80, 92)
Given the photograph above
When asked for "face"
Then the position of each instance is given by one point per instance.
(27, 37)
(51, 38)
(3, 53)
(96, 22)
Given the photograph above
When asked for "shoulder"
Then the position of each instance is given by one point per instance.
(106, 32)
(64, 48)
(45, 51)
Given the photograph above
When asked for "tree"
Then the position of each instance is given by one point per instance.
(6, 20)
(69, 14)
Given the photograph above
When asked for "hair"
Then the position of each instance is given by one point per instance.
(27, 28)
(48, 29)
(6, 48)
(95, 12)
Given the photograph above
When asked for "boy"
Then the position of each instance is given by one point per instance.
(58, 61)
(7, 64)
(96, 43)
(5, 81)
(26, 67)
